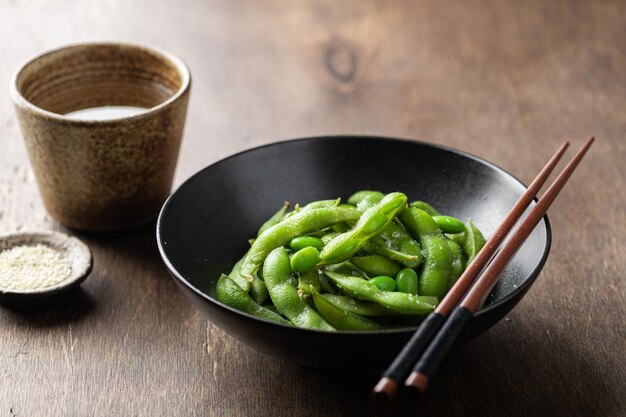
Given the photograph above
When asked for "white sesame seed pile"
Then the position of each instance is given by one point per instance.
(32, 267)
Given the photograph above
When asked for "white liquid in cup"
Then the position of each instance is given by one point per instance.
(105, 112)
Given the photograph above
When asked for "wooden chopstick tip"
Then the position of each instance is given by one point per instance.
(418, 381)
(385, 390)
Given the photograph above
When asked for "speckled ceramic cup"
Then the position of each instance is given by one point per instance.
(102, 174)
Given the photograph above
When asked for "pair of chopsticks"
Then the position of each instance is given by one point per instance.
(420, 358)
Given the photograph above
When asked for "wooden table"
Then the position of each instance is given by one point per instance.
(504, 80)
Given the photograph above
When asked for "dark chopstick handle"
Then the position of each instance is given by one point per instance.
(440, 347)
(401, 366)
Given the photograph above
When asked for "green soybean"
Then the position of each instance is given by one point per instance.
(341, 319)
(231, 294)
(277, 273)
(305, 259)
(399, 302)
(297, 225)
(406, 281)
(374, 265)
(449, 224)
(302, 242)
(384, 283)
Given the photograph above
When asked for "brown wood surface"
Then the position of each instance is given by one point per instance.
(505, 80)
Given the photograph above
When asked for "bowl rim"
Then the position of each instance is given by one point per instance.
(517, 292)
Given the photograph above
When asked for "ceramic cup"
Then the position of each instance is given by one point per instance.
(102, 174)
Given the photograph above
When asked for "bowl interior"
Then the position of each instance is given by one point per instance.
(205, 225)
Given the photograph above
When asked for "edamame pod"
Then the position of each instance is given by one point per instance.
(374, 265)
(457, 237)
(308, 280)
(399, 302)
(422, 205)
(433, 279)
(277, 274)
(297, 225)
(235, 276)
(321, 204)
(258, 291)
(231, 294)
(340, 319)
(474, 241)
(395, 243)
(372, 222)
(347, 268)
(458, 262)
(359, 196)
(360, 307)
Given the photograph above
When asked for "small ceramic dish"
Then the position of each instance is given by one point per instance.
(204, 227)
(72, 250)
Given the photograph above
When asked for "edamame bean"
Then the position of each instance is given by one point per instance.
(303, 241)
(277, 273)
(374, 265)
(231, 294)
(449, 224)
(437, 265)
(340, 319)
(305, 259)
(384, 283)
(297, 225)
(406, 281)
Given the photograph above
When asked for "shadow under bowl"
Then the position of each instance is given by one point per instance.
(204, 227)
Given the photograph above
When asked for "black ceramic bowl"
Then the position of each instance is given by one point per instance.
(203, 229)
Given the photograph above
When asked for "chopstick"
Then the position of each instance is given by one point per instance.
(401, 366)
(447, 336)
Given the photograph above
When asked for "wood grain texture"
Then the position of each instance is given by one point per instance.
(505, 80)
